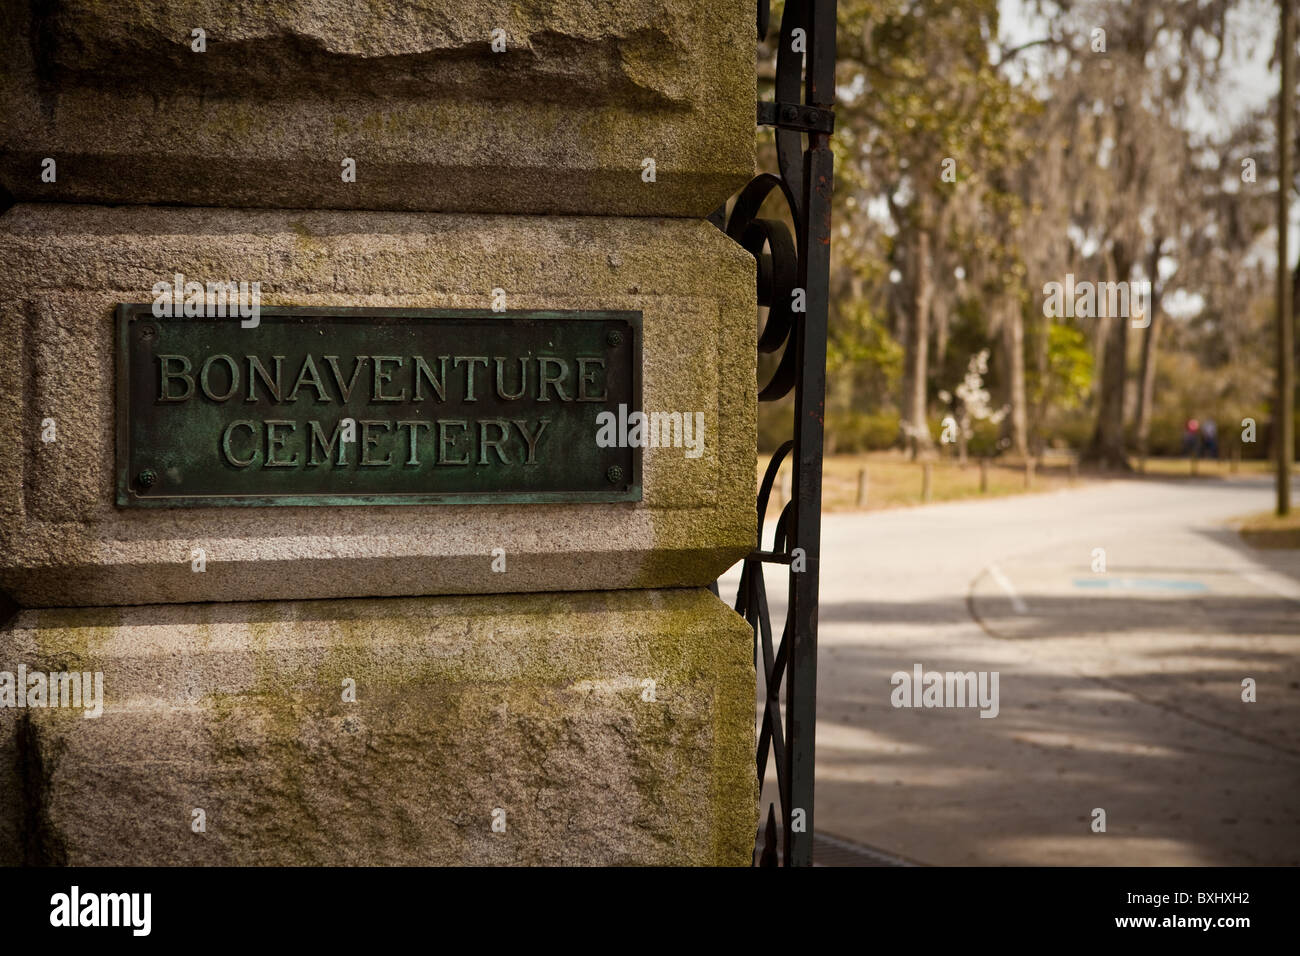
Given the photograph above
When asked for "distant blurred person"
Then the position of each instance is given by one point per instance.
(1191, 437)
(1210, 438)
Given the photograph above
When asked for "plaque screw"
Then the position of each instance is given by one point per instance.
(615, 474)
(146, 332)
(789, 114)
(146, 478)
(615, 337)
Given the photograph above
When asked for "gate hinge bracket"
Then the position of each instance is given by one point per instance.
(808, 119)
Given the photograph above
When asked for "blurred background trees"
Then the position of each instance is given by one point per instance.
(1107, 141)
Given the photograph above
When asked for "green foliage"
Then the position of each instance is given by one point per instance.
(1069, 369)
(853, 432)
(1080, 163)
(860, 345)
(984, 442)
(1071, 429)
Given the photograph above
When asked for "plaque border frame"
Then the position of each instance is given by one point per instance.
(127, 313)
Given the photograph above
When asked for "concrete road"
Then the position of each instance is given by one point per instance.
(1118, 690)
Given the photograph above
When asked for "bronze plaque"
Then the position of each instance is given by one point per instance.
(338, 406)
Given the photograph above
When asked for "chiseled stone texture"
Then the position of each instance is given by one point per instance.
(12, 824)
(558, 123)
(534, 704)
(64, 268)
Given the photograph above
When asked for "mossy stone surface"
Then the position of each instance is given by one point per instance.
(560, 121)
(64, 268)
(537, 705)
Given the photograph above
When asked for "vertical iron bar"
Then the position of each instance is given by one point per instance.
(810, 401)
(805, 184)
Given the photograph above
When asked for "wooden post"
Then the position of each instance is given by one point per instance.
(1029, 472)
(927, 470)
(984, 476)
(862, 488)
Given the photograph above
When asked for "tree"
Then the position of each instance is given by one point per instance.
(1127, 72)
(929, 118)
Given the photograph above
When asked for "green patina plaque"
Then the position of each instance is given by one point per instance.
(337, 406)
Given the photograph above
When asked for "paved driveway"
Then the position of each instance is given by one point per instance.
(1119, 690)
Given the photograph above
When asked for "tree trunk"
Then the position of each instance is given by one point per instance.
(940, 315)
(1107, 446)
(918, 349)
(1042, 359)
(1150, 342)
(1013, 340)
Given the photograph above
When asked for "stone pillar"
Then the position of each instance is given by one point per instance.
(522, 683)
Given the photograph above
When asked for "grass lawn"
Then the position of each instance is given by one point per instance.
(1267, 530)
(1203, 468)
(893, 481)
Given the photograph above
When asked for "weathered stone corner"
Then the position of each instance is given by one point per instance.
(610, 727)
(558, 119)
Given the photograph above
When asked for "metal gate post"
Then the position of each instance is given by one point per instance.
(793, 283)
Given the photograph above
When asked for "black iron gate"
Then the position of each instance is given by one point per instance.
(793, 279)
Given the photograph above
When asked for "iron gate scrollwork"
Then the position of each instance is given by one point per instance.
(804, 97)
